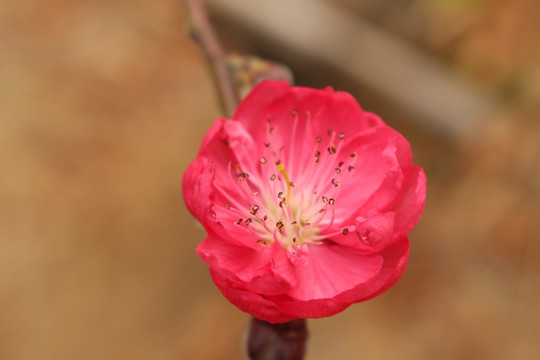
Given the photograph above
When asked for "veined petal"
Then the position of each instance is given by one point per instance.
(394, 263)
(263, 270)
(331, 270)
(252, 303)
(411, 204)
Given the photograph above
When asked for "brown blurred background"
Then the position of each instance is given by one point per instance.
(104, 103)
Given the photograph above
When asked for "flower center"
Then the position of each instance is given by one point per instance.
(270, 205)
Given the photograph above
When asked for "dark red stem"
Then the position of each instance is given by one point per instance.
(285, 341)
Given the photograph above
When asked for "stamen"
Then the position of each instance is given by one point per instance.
(282, 170)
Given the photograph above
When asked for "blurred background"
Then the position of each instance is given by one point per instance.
(103, 104)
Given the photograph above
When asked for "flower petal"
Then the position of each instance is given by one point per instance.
(395, 261)
(331, 270)
(254, 304)
(412, 201)
(265, 270)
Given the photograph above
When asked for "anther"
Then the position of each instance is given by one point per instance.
(338, 170)
(280, 194)
(341, 163)
(248, 221)
(324, 199)
(317, 153)
(278, 162)
(254, 209)
(351, 168)
(271, 130)
(262, 160)
(239, 221)
(273, 177)
(353, 154)
(265, 218)
(279, 224)
(321, 211)
(335, 182)
(319, 139)
(267, 144)
(227, 205)
(342, 136)
(332, 149)
(345, 231)
(242, 175)
(331, 201)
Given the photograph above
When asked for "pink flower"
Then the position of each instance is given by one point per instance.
(307, 201)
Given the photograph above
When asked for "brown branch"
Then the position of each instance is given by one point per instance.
(203, 32)
(284, 341)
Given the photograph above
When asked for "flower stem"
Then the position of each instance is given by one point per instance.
(203, 32)
(285, 341)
